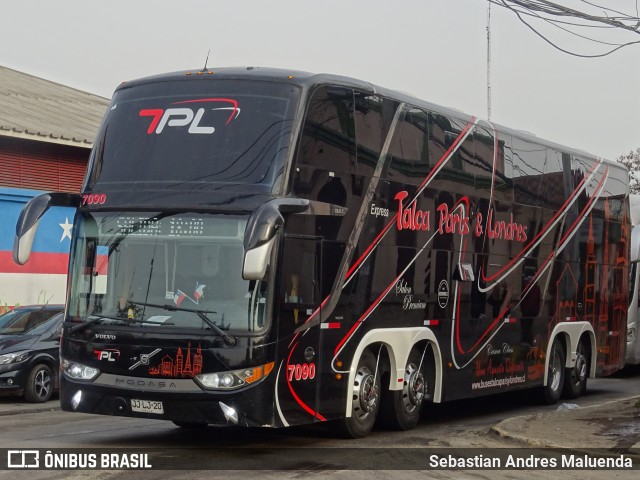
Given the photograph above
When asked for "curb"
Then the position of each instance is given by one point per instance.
(524, 440)
(22, 410)
(35, 410)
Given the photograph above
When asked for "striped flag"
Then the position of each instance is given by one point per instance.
(179, 297)
(43, 279)
(198, 294)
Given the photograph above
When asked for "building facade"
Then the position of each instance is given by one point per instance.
(46, 135)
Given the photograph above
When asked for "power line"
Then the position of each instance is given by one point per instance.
(557, 15)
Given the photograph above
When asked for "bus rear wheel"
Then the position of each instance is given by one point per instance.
(550, 393)
(365, 394)
(575, 379)
(401, 408)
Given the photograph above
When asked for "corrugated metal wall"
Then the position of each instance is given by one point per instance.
(41, 165)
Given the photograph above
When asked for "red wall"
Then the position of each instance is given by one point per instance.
(41, 166)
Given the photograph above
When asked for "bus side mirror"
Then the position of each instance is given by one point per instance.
(256, 261)
(260, 234)
(29, 218)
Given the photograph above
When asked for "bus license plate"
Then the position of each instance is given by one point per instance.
(147, 406)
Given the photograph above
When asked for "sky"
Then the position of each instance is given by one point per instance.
(433, 49)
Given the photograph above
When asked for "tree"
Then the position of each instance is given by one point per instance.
(632, 161)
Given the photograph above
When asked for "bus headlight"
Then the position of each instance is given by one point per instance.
(77, 371)
(233, 379)
(631, 334)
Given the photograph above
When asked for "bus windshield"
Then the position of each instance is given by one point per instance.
(159, 270)
(203, 134)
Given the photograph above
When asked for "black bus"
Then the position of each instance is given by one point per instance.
(261, 247)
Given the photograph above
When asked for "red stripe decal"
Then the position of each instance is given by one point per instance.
(330, 325)
(370, 247)
(579, 218)
(365, 315)
(308, 409)
(373, 244)
(551, 255)
(433, 171)
(542, 232)
(221, 100)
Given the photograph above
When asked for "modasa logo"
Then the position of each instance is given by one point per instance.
(188, 116)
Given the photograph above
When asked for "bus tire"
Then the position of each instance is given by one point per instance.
(401, 408)
(575, 379)
(365, 393)
(550, 393)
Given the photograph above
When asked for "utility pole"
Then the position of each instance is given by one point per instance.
(489, 61)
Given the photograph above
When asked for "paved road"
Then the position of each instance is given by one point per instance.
(458, 424)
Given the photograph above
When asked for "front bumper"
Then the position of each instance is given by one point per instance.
(253, 405)
(12, 380)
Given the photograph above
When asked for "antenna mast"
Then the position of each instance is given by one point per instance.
(489, 62)
(206, 61)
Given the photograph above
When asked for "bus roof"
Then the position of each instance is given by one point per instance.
(308, 80)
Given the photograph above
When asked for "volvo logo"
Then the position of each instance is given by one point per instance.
(144, 359)
(103, 336)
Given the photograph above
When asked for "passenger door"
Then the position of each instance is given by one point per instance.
(300, 348)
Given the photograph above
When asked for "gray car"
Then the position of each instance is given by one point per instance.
(29, 357)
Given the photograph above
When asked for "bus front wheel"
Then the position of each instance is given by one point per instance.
(365, 394)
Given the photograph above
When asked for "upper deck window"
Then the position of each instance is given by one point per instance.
(328, 137)
(196, 134)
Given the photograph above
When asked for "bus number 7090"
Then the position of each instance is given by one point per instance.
(302, 371)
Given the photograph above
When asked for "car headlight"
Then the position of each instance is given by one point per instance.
(77, 371)
(233, 379)
(15, 357)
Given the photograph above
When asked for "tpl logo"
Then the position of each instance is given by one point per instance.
(110, 354)
(185, 116)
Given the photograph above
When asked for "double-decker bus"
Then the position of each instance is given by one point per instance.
(261, 247)
(632, 356)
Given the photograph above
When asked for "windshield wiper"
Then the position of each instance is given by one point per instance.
(228, 339)
(100, 317)
(87, 323)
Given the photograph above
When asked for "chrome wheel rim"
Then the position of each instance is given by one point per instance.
(42, 383)
(414, 388)
(555, 370)
(580, 370)
(365, 393)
